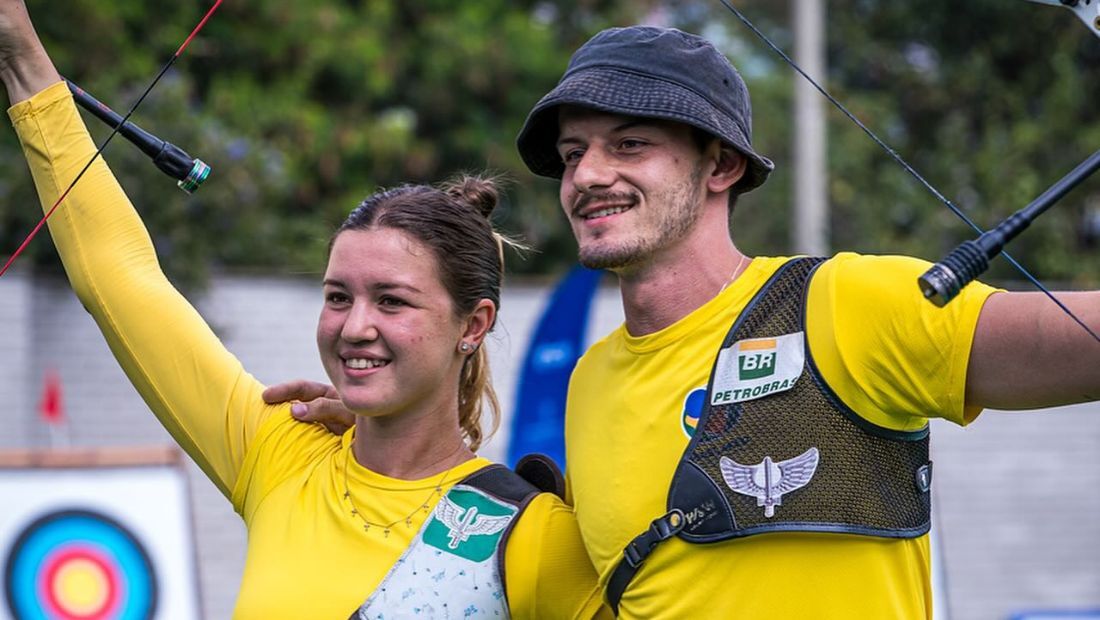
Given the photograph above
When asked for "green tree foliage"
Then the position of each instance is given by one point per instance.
(303, 108)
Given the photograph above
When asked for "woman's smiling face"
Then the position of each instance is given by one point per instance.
(388, 334)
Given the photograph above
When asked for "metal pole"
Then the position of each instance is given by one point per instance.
(811, 208)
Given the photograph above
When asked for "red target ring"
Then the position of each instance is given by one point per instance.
(80, 582)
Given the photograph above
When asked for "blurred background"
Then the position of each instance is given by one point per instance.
(302, 109)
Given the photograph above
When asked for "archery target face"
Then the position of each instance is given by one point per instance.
(79, 564)
(109, 543)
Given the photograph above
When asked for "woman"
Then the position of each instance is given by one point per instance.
(391, 518)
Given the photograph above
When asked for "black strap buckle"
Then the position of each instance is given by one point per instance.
(660, 529)
(669, 525)
(632, 556)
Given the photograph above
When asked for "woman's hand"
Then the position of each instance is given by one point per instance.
(25, 67)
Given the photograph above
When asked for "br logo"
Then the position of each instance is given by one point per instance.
(758, 367)
(756, 359)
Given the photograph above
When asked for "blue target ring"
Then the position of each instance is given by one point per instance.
(79, 565)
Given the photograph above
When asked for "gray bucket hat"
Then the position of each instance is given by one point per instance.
(653, 73)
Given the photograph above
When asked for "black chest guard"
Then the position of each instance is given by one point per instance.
(785, 454)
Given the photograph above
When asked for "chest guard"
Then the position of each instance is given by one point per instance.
(775, 450)
(454, 567)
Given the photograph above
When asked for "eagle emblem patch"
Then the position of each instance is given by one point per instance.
(468, 524)
(768, 480)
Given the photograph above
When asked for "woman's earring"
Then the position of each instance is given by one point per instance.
(464, 347)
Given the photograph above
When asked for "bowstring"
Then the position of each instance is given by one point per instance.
(904, 164)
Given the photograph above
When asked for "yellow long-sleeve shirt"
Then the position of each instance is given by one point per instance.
(308, 556)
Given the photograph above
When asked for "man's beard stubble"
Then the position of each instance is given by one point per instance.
(682, 210)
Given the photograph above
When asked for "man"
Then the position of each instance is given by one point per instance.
(799, 391)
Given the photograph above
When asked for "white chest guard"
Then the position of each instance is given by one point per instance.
(454, 567)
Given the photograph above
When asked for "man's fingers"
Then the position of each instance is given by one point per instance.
(297, 390)
(328, 411)
(316, 402)
(336, 428)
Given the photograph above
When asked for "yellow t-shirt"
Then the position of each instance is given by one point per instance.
(308, 556)
(891, 356)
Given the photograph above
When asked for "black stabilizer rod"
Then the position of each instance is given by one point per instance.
(188, 172)
(970, 259)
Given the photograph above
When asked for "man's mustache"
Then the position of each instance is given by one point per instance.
(584, 200)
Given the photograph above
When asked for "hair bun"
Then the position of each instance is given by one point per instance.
(478, 192)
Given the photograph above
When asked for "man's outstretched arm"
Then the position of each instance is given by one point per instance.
(1027, 353)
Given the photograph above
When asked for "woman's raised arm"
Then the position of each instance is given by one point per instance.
(196, 388)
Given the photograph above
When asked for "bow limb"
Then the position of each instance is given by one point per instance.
(1088, 11)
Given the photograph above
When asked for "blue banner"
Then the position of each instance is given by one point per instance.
(538, 418)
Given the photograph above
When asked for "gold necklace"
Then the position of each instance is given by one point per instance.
(407, 518)
(733, 276)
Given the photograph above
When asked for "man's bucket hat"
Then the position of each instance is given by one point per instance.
(654, 73)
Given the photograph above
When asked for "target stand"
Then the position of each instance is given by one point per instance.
(97, 534)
